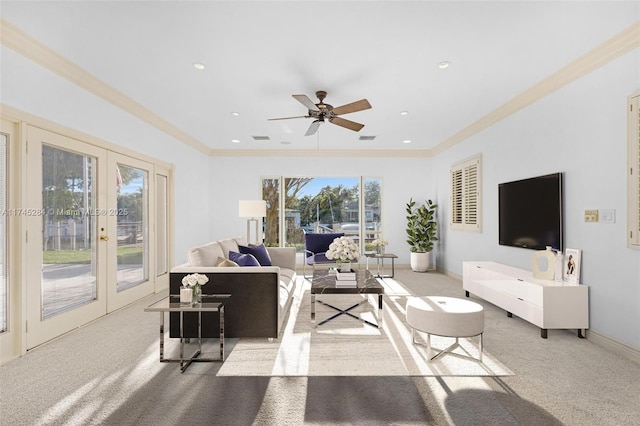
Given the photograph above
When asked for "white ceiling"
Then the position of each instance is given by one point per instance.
(257, 54)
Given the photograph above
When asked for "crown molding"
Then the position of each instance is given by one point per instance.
(15, 115)
(351, 153)
(20, 42)
(620, 44)
(606, 52)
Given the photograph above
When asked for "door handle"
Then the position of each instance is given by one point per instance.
(104, 238)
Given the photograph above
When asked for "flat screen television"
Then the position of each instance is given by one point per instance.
(531, 212)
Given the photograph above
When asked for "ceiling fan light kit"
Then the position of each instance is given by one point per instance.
(322, 112)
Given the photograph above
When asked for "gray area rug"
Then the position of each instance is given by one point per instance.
(345, 346)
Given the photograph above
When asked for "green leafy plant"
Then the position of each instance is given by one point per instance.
(421, 226)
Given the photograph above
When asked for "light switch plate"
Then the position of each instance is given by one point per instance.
(591, 215)
(607, 216)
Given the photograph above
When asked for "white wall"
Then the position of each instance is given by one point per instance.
(30, 88)
(240, 178)
(580, 130)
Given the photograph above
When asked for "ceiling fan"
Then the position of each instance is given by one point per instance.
(321, 112)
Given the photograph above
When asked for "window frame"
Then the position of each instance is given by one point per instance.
(363, 234)
(633, 171)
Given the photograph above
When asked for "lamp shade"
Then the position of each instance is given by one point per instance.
(252, 208)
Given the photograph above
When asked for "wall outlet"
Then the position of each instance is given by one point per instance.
(591, 215)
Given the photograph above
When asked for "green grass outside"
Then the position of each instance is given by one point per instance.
(84, 256)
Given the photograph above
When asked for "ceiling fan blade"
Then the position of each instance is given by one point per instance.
(304, 100)
(288, 118)
(352, 107)
(313, 128)
(348, 124)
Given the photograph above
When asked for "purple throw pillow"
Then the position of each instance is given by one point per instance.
(243, 259)
(259, 252)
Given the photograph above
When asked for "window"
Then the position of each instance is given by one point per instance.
(633, 170)
(321, 204)
(466, 197)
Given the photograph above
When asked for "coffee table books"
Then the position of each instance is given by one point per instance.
(346, 279)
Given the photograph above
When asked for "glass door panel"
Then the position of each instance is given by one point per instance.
(69, 270)
(4, 242)
(65, 283)
(271, 194)
(372, 211)
(162, 228)
(132, 226)
(162, 262)
(10, 312)
(132, 254)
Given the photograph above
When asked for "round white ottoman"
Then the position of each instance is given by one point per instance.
(445, 316)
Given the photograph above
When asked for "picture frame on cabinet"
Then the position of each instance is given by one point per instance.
(571, 266)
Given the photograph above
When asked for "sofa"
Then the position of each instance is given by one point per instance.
(261, 295)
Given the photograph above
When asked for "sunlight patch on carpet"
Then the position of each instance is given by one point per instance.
(345, 346)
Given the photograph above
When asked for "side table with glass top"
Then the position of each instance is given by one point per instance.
(210, 303)
(380, 263)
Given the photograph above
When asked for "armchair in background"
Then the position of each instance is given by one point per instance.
(315, 247)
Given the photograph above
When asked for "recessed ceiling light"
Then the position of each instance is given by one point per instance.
(406, 141)
(198, 66)
(235, 140)
(404, 112)
(235, 113)
(444, 64)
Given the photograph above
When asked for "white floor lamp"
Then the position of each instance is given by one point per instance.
(254, 210)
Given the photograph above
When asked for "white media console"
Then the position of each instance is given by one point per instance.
(544, 303)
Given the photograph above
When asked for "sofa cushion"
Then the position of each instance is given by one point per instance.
(228, 245)
(243, 259)
(242, 241)
(283, 298)
(259, 252)
(222, 262)
(206, 255)
(288, 278)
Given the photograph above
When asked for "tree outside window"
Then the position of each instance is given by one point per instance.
(321, 205)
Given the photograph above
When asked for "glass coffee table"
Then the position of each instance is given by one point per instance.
(325, 283)
(210, 303)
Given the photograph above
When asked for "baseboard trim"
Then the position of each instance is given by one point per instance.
(614, 346)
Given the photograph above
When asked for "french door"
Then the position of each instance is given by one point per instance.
(89, 245)
(129, 264)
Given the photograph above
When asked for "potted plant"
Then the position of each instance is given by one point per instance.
(421, 233)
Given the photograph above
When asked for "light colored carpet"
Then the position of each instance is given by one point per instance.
(107, 373)
(345, 346)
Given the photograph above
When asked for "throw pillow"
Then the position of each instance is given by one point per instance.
(222, 262)
(243, 259)
(259, 252)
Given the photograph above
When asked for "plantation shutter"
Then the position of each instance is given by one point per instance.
(466, 195)
(633, 182)
(471, 194)
(456, 196)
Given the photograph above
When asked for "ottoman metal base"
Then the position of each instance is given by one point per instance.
(446, 350)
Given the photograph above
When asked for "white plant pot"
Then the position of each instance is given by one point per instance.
(420, 262)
